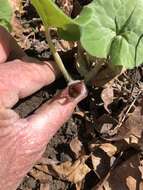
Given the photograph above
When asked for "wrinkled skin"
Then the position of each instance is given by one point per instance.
(22, 141)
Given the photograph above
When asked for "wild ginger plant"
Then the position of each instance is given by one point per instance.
(110, 30)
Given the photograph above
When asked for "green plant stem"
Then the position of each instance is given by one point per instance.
(57, 58)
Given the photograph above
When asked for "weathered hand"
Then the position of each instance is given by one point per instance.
(22, 141)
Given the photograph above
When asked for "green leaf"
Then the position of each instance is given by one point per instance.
(52, 16)
(120, 52)
(113, 28)
(5, 14)
(105, 28)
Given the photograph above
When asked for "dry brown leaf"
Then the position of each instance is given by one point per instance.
(126, 176)
(42, 167)
(101, 163)
(131, 182)
(17, 28)
(107, 96)
(132, 126)
(132, 140)
(95, 161)
(141, 186)
(39, 175)
(109, 148)
(106, 187)
(44, 186)
(102, 158)
(78, 186)
(135, 122)
(76, 147)
(105, 125)
(106, 75)
(73, 172)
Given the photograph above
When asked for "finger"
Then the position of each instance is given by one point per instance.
(52, 115)
(8, 47)
(19, 79)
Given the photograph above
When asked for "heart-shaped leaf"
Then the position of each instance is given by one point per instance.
(5, 14)
(113, 28)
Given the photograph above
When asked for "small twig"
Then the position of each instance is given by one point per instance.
(27, 37)
(32, 21)
(128, 110)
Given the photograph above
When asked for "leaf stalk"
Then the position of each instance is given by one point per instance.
(57, 58)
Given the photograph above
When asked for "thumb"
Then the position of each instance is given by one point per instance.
(45, 122)
(24, 140)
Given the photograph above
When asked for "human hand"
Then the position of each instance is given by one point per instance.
(23, 141)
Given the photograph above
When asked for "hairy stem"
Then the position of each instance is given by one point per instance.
(57, 57)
